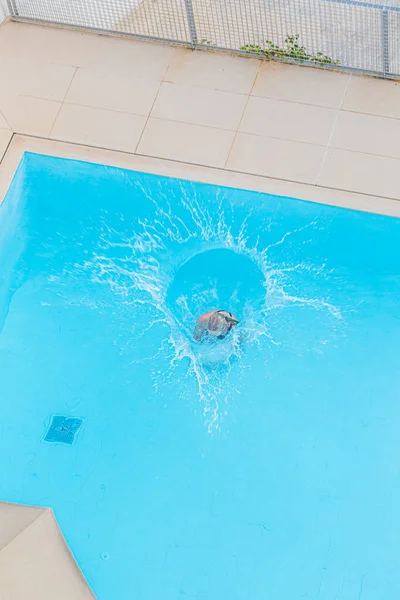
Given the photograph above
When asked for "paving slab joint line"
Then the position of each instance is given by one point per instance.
(39, 516)
(249, 95)
(150, 111)
(328, 145)
(7, 147)
(5, 118)
(63, 101)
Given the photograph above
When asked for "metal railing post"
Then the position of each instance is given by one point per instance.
(385, 42)
(191, 21)
(12, 8)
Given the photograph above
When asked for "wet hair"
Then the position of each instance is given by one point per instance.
(217, 324)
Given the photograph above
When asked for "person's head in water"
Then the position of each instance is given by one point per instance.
(216, 323)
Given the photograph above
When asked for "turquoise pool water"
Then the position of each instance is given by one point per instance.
(266, 467)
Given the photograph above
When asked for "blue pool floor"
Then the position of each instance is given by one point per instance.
(266, 467)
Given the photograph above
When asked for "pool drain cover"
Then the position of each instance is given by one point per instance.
(62, 429)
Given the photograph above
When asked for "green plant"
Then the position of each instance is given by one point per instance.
(291, 50)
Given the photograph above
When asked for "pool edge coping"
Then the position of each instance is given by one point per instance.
(19, 144)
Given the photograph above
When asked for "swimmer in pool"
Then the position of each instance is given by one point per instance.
(214, 324)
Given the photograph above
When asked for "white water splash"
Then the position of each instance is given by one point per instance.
(138, 268)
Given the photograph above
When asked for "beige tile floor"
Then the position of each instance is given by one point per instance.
(314, 127)
(322, 136)
(35, 562)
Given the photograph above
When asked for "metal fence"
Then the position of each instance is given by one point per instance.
(348, 34)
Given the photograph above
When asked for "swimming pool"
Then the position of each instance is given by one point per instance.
(265, 467)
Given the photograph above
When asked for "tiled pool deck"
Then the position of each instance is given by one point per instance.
(326, 131)
(313, 134)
